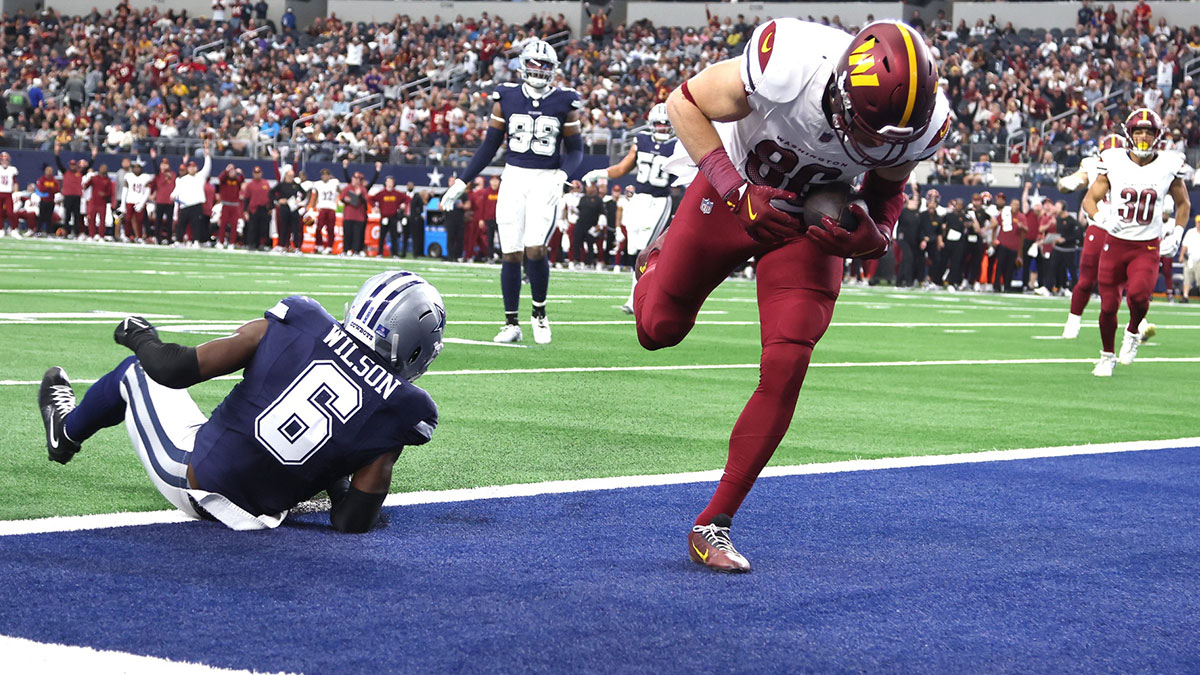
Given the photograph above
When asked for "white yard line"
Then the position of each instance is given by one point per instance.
(721, 366)
(108, 520)
(27, 656)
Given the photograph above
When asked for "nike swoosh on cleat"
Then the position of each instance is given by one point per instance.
(703, 556)
(53, 439)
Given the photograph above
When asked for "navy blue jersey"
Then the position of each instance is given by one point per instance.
(652, 177)
(535, 125)
(313, 405)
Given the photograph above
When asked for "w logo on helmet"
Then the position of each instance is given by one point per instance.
(863, 61)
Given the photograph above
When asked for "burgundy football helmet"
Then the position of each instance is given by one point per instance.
(883, 92)
(1144, 118)
(1111, 141)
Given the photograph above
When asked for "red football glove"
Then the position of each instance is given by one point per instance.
(867, 241)
(764, 223)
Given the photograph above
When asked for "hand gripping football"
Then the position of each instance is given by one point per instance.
(830, 199)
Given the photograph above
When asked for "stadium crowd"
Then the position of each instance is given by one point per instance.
(415, 90)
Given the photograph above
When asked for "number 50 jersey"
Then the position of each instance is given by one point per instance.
(535, 124)
(313, 406)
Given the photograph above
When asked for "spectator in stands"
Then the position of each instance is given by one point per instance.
(980, 172)
(1044, 172)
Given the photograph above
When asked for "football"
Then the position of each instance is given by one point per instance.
(830, 199)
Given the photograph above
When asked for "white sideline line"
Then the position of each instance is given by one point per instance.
(721, 366)
(109, 520)
(27, 656)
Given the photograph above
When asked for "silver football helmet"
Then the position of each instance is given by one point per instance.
(402, 317)
(660, 123)
(538, 63)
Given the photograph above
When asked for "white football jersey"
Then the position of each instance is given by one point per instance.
(137, 188)
(1137, 194)
(327, 193)
(570, 202)
(8, 178)
(786, 139)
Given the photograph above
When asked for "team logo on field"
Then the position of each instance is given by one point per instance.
(706, 205)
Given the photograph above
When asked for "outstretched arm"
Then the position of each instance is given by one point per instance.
(178, 366)
(617, 170)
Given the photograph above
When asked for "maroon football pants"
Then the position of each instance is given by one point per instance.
(797, 287)
(1134, 264)
(1089, 265)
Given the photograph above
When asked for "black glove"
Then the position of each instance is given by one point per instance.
(134, 332)
(337, 490)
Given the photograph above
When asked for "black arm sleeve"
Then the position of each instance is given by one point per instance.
(58, 160)
(357, 511)
(169, 364)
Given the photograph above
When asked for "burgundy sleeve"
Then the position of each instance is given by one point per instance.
(884, 198)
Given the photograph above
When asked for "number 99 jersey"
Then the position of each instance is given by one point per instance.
(313, 406)
(1137, 193)
(534, 124)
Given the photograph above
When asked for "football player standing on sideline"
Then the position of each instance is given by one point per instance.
(1136, 180)
(538, 118)
(805, 103)
(320, 400)
(650, 209)
(8, 186)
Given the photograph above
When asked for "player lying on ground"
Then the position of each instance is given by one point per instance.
(320, 401)
(804, 104)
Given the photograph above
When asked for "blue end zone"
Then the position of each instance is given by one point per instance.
(1079, 564)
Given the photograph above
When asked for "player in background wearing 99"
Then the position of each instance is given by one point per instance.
(649, 210)
(805, 103)
(1136, 181)
(1093, 238)
(538, 118)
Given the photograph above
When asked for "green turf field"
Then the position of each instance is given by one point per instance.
(576, 408)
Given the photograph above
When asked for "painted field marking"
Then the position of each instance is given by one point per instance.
(721, 366)
(108, 520)
(27, 656)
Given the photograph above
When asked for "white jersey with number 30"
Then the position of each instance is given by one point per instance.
(1137, 193)
(786, 141)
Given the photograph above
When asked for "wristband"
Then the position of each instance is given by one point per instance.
(720, 172)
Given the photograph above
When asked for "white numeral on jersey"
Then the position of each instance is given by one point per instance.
(539, 135)
(300, 421)
(651, 169)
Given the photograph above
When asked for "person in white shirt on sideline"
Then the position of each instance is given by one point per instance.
(189, 193)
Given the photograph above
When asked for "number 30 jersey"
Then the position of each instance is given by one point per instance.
(787, 140)
(313, 405)
(534, 124)
(1137, 193)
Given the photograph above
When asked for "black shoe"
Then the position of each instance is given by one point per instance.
(56, 399)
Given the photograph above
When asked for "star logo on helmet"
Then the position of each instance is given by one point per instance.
(862, 60)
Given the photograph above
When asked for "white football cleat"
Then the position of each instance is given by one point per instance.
(1104, 368)
(1129, 348)
(627, 308)
(1146, 330)
(541, 330)
(510, 333)
(1071, 330)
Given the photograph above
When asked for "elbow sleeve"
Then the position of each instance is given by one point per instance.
(170, 365)
(485, 153)
(356, 511)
